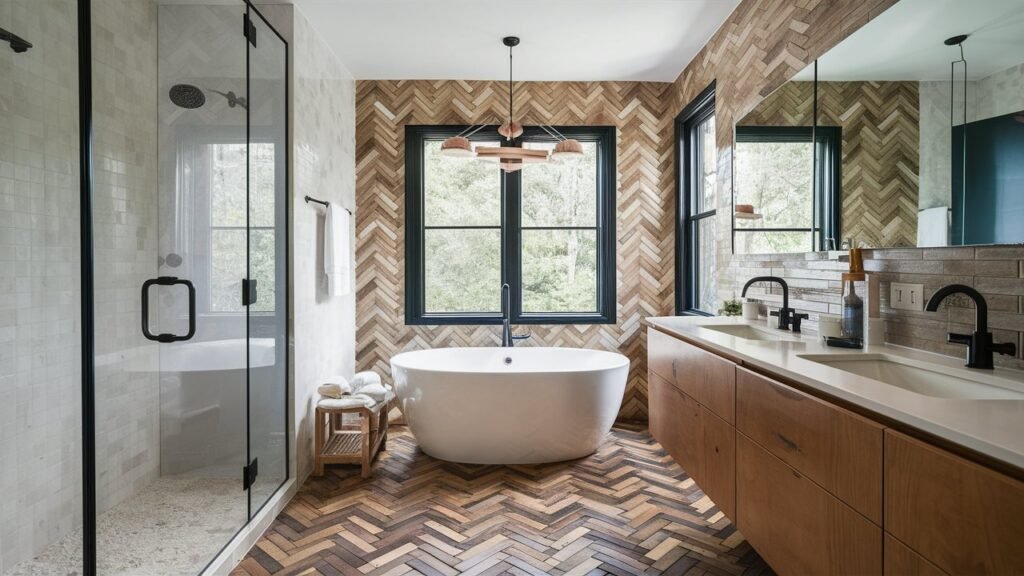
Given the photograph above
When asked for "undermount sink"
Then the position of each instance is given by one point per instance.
(912, 376)
(749, 332)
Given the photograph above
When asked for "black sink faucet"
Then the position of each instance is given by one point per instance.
(785, 314)
(979, 345)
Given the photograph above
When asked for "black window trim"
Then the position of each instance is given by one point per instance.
(511, 237)
(827, 195)
(686, 260)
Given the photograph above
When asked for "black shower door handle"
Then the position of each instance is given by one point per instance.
(168, 281)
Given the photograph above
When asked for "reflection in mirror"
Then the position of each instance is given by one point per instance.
(919, 137)
(932, 125)
(781, 203)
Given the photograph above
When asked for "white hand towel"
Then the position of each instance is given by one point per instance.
(933, 227)
(337, 264)
(362, 379)
(376, 391)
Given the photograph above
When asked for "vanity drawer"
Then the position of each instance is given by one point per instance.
(835, 448)
(797, 527)
(676, 361)
(962, 517)
(675, 422)
(704, 376)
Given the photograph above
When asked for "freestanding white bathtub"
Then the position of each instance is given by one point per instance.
(509, 405)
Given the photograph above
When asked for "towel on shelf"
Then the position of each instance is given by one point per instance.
(376, 391)
(334, 387)
(362, 379)
(353, 401)
(336, 250)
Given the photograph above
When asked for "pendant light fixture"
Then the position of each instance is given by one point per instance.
(511, 155)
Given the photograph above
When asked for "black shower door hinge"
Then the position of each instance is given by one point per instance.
(249, 29)
(249, 293)
(249, 473)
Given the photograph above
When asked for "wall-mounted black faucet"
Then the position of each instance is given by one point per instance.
(786, 314)
(979, 345)
(18, 44)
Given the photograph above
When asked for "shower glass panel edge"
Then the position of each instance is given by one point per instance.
(268, 258)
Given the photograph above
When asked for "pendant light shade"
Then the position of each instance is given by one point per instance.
(511, 130)
(567, 149)
(457, 147)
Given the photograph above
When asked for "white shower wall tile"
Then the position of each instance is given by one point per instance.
(40, 331)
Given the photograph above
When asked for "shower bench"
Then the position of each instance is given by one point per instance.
(338, 442)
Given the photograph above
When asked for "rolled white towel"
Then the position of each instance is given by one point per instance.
(330, 391)
(334, 387)
(362, 379)
(376, 391)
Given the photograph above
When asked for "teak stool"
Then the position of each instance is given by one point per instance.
(339, 443)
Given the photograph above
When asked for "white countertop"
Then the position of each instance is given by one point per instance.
(994, 428)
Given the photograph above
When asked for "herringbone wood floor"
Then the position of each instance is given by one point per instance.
(628, 509)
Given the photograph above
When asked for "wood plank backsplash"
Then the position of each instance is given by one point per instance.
(995, 271)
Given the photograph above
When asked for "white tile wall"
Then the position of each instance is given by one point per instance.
(40, 330)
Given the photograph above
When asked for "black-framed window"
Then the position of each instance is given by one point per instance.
(696, 206)
(548, 230)
(792, 185)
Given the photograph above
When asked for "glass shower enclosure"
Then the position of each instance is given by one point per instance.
(143, 228)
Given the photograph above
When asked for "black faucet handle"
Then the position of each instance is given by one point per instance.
(962, 339)
(797, 319)
(1005, 348)
(522, 336)
(785, 316)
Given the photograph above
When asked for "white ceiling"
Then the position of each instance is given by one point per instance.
(571, 40)
(905, 42)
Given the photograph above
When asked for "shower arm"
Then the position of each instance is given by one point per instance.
(18, 44)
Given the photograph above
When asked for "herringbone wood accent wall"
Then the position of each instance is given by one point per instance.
(760, 46)
(881, 150)
(645, 210)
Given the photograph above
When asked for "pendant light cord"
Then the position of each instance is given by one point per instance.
(510, 93)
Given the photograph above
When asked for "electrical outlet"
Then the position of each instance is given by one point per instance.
(906, 296)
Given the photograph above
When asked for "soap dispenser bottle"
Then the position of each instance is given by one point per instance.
(853, 306)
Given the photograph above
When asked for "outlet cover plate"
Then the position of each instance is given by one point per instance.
(906, 296)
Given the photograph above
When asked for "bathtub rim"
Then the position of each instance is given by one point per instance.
(621, 361)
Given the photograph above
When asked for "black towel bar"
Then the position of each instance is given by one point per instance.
(322, 203)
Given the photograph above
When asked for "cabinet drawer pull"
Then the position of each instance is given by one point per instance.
(789, 444)
(674, 369)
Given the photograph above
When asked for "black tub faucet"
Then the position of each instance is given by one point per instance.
(979, 345)
(785, 313)
(507, 338)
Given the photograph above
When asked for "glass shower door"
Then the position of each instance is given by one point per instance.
(170, 221)
(268, 307)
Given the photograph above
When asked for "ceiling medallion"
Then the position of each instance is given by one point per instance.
(511, 155)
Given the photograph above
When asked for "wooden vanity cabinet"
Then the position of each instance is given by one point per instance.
(819, 489)
(795, 525)
(960, 516)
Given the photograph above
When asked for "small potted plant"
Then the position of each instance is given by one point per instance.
(731, 308)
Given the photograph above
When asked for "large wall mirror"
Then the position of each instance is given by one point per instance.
(908, 133)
